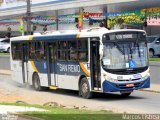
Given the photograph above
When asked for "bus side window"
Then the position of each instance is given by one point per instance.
(32, 51)
(72, 50)
(83, 50)
(40, 50)
(62, 50)
(16, 51)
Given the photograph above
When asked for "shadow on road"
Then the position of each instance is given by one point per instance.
(97, 96)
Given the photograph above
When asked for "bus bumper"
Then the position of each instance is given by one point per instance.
(120, 87)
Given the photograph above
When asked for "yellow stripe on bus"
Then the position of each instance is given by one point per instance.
(78, 36)
(34, 66)
(30, 37)
(53, 87)
(32, 62)
(84, 69)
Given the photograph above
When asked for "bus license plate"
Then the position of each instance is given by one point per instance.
(129, 85)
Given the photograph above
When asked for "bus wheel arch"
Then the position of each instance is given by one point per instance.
(84, 88)
(36, 81)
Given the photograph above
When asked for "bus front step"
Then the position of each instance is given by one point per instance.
(97, 90)
(53, 87)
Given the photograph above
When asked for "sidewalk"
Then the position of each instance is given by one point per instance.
(153, 87)
(5, 72)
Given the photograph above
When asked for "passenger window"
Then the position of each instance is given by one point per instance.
(62, 50)
(40, 50)
(32, 54)
(72, 50)
(16, 51)
(83, 50)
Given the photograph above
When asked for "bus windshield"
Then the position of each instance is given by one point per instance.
(125, 54)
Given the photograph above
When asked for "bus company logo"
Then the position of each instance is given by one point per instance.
(137, 75)
(68, 68)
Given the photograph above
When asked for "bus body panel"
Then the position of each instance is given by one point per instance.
(110, 83)
(66, 74)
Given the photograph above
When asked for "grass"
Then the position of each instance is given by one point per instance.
(4, 54)
(154, 59)
(60, 113)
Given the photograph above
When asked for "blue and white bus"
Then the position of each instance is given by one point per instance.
(94, 60)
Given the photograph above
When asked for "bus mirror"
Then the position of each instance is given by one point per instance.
(101, 51)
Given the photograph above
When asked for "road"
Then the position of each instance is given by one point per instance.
(5, 62)
(154, 69)
(138, 102)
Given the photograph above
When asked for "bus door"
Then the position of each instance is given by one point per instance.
(95, 65)
(51, 60)
(25, 62)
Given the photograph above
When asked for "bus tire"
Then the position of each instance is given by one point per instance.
(36, 82)
(84, 89)
(125, 94)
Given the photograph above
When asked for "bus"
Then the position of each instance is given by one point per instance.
(93, 60)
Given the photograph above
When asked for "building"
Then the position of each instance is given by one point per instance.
(45, 12)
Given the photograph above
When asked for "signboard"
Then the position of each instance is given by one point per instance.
(153, 21)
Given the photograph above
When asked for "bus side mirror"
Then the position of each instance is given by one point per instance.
(101, 51)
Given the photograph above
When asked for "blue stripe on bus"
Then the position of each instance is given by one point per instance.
(72, 68)
(51, 37)
(116, 87)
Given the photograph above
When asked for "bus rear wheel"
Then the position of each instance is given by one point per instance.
(84, 89)
(36, 82)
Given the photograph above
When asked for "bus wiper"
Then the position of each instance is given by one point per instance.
(130, 50)
(139, 54)
(119, 48)
(124, 54)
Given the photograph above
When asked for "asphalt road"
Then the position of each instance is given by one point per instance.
(154, 69)
(138, 102)
(5, 62)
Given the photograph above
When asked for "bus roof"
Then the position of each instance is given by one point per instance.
(93, 32)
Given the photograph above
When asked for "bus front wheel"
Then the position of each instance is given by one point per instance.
(85, 89)
(36, 82)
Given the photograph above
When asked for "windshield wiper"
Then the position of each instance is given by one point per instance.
(139, 54)
(130, 50)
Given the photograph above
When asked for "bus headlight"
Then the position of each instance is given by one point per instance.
(109, 79)
(145, 77)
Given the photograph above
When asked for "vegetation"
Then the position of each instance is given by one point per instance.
(4, 54)
(154, 59)
(61, 113)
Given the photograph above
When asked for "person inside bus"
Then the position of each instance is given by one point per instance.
(73, 52)
(82, 56)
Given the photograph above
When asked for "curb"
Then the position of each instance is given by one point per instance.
(5, 72)
(145, 90)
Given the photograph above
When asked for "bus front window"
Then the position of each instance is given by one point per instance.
(124, 56)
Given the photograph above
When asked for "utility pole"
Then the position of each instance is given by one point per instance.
(28, 15)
